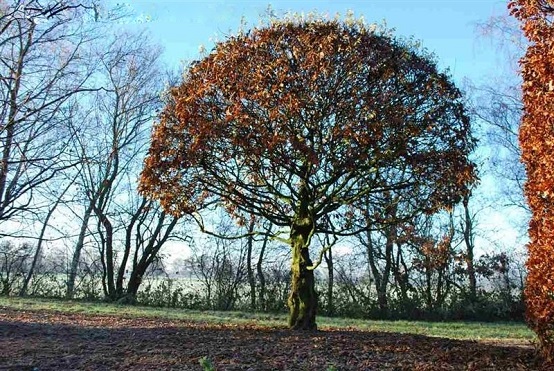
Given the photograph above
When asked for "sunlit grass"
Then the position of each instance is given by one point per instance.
(496, 331)
(506, 331)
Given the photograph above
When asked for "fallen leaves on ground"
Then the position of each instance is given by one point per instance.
(44, 340)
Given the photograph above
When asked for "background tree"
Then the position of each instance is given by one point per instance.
(296, 121)
(537, 146)
(44, 52)
(58, 198)
(327, 242)
(14, 260)
(111, 136)
(259, 268)
(220, 267)
(147, 229)
(79, 94)
(467, 226)
(433, 255)
(497, 106)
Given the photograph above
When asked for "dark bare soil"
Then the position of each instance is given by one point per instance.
(42, 340)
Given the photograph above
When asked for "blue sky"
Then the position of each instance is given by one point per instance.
(445, 27)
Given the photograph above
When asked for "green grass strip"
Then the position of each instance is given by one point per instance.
(484, 331)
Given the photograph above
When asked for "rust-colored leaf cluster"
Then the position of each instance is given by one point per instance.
(537, 144)
(436, 254)
(339, 108)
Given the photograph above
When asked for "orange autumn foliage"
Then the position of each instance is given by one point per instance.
(321, 103)
(537, 144)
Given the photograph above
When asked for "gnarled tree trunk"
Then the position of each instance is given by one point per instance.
(303, 298)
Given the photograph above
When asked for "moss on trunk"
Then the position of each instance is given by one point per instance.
(303, 297)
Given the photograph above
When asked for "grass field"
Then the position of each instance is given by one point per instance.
(505, 331)
(40, 334)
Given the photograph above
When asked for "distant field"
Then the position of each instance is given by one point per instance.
(504, 331)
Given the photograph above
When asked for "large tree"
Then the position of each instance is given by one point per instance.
(297, 121)
(536, 136)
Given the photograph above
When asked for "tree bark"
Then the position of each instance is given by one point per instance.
(468, 239)
(428, 283)
(38, 251)
(40, 241)
(108, 252)
(149, 253)
(401, 273)
(129, 228)
(381, 278)
(381, 275)
(77, 253)
(260, 272)
(10, 128)
(331, 280)
(250, 271)
(303, 298)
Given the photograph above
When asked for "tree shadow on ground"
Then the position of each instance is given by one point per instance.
(38, 340)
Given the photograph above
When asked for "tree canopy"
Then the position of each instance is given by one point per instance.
(339, 108)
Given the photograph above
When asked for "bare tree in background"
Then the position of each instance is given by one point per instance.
(498, 105)
(13, 265)
(110, 138)
(45, 64)
(57, 198)
(220, 266)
